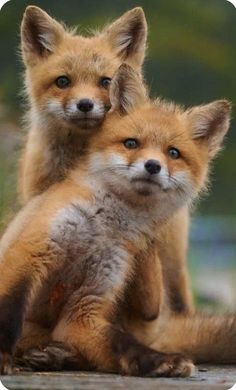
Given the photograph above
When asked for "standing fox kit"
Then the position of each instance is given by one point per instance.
(67, 82)
(147, 160)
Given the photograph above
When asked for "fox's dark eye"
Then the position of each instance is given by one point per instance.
(131, 143)
(105, 82)
(62, 82)
(174, 153)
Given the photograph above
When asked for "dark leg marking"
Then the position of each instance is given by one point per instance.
(12, 309)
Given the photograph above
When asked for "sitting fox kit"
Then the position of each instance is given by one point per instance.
(147, 160)
(67, 83)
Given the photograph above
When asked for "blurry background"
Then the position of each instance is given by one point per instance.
(191, 59)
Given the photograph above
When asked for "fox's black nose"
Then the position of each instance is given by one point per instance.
(152, 166)
(85, 105)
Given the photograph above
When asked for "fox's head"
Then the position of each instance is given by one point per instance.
(156, 150)
(68, 75)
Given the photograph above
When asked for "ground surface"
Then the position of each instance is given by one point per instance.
(207, 378)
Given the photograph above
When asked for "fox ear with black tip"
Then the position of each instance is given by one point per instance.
(40, 34)
(128, 37)
(127, 90)
(209, 124)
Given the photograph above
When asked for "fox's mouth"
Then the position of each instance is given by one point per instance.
(86, 121)
(144, 186)
(145, 180)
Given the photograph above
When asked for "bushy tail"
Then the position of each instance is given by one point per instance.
(204, 338)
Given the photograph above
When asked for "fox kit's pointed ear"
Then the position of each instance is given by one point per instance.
(210, 123)
(128, 36)
(39, 34)
(127, 90)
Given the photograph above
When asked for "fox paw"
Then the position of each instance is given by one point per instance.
(155, 364)
(174, 366)
(53, 357)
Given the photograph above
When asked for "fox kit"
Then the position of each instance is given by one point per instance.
(75, 264)
(67, 80)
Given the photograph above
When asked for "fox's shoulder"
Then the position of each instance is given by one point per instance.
(37, 215)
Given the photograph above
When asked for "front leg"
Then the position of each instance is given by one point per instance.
(145, 294)
(172, 243)
(22, 268)
(87, 325)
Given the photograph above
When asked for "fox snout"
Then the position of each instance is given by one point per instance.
(153, 167)
(82, 112)
(85, 111)
(88, 105)
(85, 105)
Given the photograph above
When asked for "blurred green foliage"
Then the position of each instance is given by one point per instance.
(191, 59)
